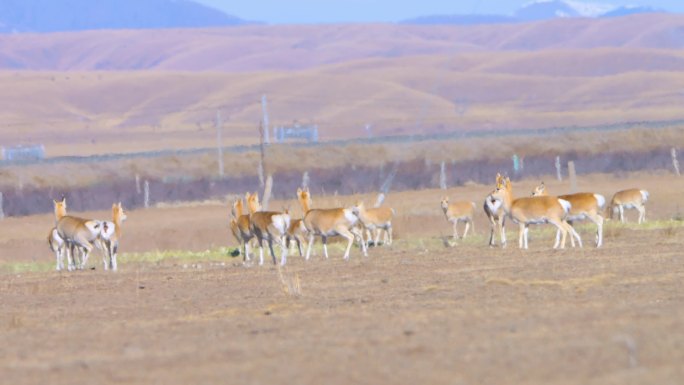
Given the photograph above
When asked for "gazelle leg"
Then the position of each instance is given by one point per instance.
(622, 213)
(562, 227)
(521, 235)
(558, 236)
(324, 239)
(465, 232)
(308, 248)
(364, 247)
(642, 214)
(502, 228)
(527, 233)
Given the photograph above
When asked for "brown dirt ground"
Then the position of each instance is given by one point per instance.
(416, 312)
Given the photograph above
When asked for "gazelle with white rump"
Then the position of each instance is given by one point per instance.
(111, 235)
(328, 223)
(376, 219)
(584, 206)
(79, 233)
(56, 243)
(496, 215)
(534, 210)
(461, 211)
(270, 226)
(629, 199)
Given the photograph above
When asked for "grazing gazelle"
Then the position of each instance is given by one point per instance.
(240, 224)
(56, 243)
(584, 206)
(270, 226)
(78, 233)
(461, 211)
(629, 199)
(111, 235)
(328, 223)
(376, 219)
(496, 215)
(534, 210)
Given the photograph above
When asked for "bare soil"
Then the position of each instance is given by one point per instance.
(415, 312)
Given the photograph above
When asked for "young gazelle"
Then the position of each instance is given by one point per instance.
(584, 206)
(297, 233)
(496, 215)
(461, 211)
(328, 223)
(78, 233)
(110, 236)
(629, 199)
(56, 243)
(270, 226)
(376, 219)
(534, 210)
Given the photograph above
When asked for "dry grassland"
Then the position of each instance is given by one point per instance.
(417, 312)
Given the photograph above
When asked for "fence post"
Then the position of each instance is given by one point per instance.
(147, 194)
(268, 189)
(675, 162)
(305, 179)
(2, 204)
(573, 176)
(559, 175)
(516, 164)
(442, 176)
(137, 184)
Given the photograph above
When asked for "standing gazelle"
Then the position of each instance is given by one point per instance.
(496, 215)
(111, 235)
(240, 223)
(461, 211)
(584, 206)
(78, 233)
(56, 243)
(534, 210)
(270, 226)
(629, 199)
(376, 219)
(328, 223)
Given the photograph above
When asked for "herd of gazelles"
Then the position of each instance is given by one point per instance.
(73, 235)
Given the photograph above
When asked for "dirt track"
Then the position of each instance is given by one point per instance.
(417, 312)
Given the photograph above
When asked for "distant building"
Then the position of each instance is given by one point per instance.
(296, 131)
(22, 153)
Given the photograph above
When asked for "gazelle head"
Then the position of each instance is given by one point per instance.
(60, 207)
(503, 189)
(539, 190)
(118, 213)
(253, 202)
(445, 203)
(237, 209)
(304, 198)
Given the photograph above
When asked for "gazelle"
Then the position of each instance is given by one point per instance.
(328, 223)
(629, 199)
(270, 226)
(297, 233)
(496, 215)
(56, 243)
(461, 211)
(110, 236)
(534, 210)
(376, 219)
(240, 224)
(78, 233)
(584, 206)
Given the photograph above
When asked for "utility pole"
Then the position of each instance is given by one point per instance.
(219, 142)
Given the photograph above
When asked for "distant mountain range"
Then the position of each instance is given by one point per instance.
(76, 15)
(538, 10)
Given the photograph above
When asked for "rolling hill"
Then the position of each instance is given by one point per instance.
(123, 91)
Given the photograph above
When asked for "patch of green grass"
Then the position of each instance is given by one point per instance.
(220, 254)
(26, 267)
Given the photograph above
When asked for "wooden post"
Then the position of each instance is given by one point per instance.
(147, 194)
(2, 205)
(219, 142)
(442, 176)
(137, 184)
(305, 179)
(573, 176)
(262, 160)
(268, 189)
(675, 162)
(559, 174)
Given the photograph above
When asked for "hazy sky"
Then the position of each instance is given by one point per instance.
(332, 11)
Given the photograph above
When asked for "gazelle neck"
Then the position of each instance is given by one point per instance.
(305, 205)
